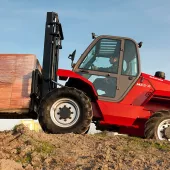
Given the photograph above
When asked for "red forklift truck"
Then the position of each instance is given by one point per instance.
(105, 86)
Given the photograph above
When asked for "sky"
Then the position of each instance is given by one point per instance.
(22, 27)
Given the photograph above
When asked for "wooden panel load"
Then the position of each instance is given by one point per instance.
(15, 80)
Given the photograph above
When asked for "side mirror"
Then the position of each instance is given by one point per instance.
(140, 44)
(93, 35)
(72, 56)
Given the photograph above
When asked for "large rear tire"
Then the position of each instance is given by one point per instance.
(65, 110)
(158, 126)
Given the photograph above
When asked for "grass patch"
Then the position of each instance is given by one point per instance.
(18, 150)
(15, 128)
(18, 129)
(161, 146)
(145, 144)
(44, 147)
(101, 134)
(26, 159)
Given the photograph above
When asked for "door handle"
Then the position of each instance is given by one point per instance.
(130, 78)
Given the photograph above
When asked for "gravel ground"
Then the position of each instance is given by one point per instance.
(24, 149)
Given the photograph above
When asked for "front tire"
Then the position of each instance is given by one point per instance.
(65, 110)
(158, 126)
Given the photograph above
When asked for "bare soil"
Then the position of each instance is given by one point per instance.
(24, 149)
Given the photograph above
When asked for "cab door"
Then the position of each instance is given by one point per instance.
(95, 65)
(129, 70)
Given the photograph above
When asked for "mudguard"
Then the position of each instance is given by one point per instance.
(65, 74)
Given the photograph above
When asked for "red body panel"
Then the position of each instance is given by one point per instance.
(148, 94)
(158, 84)
(139, 93)
(145, 90)
(70, 74)
(124, 115)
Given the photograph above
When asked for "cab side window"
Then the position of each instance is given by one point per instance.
(130, 59)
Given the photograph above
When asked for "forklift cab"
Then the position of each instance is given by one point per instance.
(112, 80)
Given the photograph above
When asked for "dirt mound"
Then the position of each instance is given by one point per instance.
(25, 149)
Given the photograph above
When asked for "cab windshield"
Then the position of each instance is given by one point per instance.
(104, 56)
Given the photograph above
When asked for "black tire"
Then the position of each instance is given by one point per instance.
(49, 123)
(152, 124)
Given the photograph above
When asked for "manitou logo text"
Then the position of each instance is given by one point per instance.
(143, 85)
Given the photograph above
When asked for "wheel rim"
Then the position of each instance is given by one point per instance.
(65, 112)
(161, 131)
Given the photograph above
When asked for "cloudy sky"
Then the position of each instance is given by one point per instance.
(22, 24)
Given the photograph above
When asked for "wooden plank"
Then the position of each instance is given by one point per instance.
(13, 110)
(4, 103)
(15, 80)
(5, 91)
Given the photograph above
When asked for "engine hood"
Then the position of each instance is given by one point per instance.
(159, 85)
